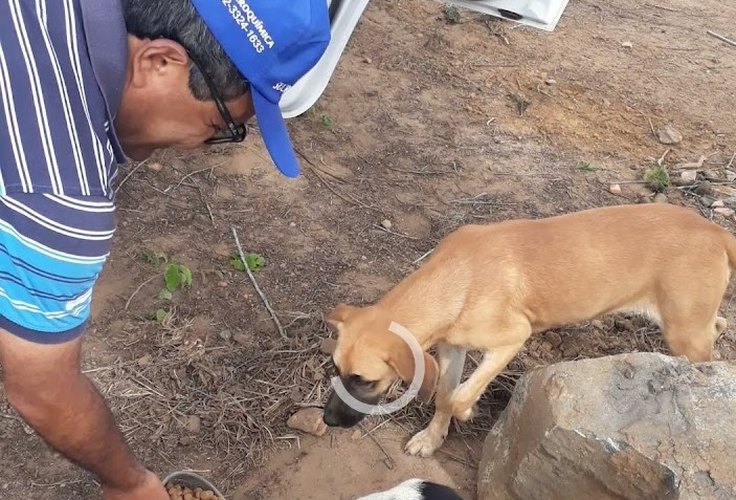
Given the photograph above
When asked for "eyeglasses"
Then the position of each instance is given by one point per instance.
(233, 132)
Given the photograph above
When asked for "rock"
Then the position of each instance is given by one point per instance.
(387, 224)
(717, 204)
(242, 339)
(308, 420)
(711, 175)
(631, 426)
(550, 81)
(689, 176)
(669, 135)
(730, 176)
(707, 201)
(146, 360)
(328, 346)
(660, 198)
(226, 334)
(194, 424)
(368, 60)
(627, 45)
(704, 188)
(598, 325)
(155, 166)
(553, 338)
(615, 189)
(724, 211)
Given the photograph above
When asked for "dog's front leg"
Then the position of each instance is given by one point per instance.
(466, 395)
(451, 362)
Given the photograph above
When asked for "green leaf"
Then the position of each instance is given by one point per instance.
(255, 262)
(186, 275)
(172, 277)
(237, 263)
(165, 294)
(160, 315)
(327, 121)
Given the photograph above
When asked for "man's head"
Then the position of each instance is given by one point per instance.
(198, 69)
(369, 359)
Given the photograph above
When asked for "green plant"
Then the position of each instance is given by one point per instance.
(587, 167)
(176, 276)
(657, 178)
(254, 261)
(451, 14)
(327, 121)
(154, 258)
(160, 315)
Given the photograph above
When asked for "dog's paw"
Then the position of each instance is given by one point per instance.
(424, 443)
(465, 415)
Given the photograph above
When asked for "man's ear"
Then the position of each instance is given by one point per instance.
(402, 361)
(152, 57)
(339, 315)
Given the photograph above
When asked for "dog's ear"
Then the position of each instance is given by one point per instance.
(403, 363)
(339, 315)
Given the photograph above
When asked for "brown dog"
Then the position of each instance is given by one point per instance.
(491, 287)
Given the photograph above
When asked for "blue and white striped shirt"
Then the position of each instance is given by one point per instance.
(62, 66)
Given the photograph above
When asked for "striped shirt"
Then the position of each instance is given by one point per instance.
(62, 65)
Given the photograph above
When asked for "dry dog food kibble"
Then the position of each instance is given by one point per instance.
(178, 492)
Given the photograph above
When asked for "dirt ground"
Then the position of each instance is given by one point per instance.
(429, 124)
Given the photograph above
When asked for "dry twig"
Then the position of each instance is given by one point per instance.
(722, 38)
(258, 289)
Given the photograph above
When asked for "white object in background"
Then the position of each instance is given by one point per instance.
(542, 14)
(310, 87)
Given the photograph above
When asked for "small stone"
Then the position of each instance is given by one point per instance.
(357, 434)
(194, 424)
(387, 224)
(704, 188)
(730, 176)
(724, 211)
(368, 60)
(155, 166)
(707, 201)
(308, 420)
(598, 324)
(615, 189)
(222, 284)
(242, 339)
(226, 335)
(669, 135)
(554, 339)
(689, 176)
(660, 198)
(717, 204)
(292, 224)
(550, 81)
(328, 346)
(627, 45)
(146, 360)
(711, 175)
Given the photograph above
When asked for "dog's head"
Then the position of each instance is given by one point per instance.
(369, 359)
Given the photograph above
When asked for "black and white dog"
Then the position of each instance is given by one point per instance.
(416, 489)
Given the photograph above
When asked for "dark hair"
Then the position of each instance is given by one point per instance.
(178, 20)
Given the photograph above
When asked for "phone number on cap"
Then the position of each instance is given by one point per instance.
(239, 18)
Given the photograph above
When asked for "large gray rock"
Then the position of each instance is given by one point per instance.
(634, 426)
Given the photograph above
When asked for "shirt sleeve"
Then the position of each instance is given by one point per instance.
(52, 251)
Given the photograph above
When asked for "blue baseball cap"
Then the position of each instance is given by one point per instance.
(273, 43)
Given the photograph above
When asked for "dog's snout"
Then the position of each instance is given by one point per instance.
(337, 413)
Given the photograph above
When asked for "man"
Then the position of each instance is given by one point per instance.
(78, 93)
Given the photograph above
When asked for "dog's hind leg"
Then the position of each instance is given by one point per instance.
(451, 362)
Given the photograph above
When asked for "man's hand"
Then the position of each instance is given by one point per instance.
(150, 489)
(44, 383)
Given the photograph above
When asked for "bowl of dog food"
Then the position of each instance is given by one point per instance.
(185, 485)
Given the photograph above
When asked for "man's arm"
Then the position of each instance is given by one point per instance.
(44, 383)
